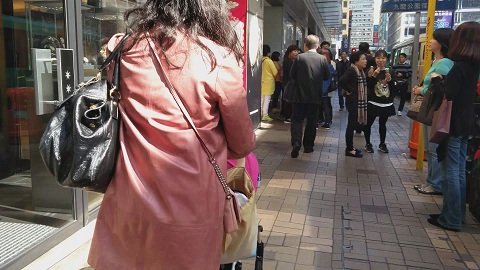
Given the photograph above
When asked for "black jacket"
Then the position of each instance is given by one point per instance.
(378, 94)
(309, 69)
(349, 82)
(286, 67)
(342, 67)
(460, 87)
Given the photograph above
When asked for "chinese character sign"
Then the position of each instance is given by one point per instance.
(415, 5)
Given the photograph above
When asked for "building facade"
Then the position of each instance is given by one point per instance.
(362, 22)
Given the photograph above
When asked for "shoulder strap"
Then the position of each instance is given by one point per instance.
(189, 120)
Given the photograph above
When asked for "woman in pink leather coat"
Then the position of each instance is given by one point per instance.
(165, 204)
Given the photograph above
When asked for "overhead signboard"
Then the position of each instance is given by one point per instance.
(443, 19)
(415, 5)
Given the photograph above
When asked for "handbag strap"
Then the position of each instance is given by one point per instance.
(179, 102)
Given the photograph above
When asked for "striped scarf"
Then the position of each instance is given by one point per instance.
(362, 97)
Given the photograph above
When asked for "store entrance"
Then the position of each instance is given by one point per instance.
(32, 205)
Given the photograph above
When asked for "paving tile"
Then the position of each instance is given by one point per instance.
(300, 205)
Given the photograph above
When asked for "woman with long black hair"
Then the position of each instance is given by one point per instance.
(164, 206)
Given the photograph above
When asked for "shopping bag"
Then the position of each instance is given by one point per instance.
(242, 243)
(441, 122)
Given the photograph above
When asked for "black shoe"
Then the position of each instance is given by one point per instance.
(325, 126)
(353, 153)
(308, 150)
(383, 148)
(295, 150)
(369, 148)
(288, 121)
(434, 221)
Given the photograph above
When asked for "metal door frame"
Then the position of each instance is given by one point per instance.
(73, 39)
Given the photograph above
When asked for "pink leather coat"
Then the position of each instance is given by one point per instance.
(164, 206)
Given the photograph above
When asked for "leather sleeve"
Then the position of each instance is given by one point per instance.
(232, 101)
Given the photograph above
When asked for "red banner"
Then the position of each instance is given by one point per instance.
(238, 9)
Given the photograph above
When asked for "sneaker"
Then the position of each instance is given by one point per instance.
(281, 118)
(325, 126)
(383, 148)
(399, 113)
(369, 148)
(267, 118)
(288, 121)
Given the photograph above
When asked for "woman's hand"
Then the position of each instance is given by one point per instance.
(416, 90)
(347, 93)
(388, 76)
(371, 71)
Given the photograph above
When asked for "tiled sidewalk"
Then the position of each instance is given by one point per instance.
(327, 211)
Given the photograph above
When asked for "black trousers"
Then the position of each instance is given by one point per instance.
(341, 98)
(300, 112)
(352, 122)
(276, 95)
(402, 90)
(327, 109)
(382, 127)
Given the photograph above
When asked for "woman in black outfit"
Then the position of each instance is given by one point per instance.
(290, 54)
(354, 85)
(381, 92)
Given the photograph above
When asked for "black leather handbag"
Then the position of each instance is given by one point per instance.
(289, 91)
(80, 144)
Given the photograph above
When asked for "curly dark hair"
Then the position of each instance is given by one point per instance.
(206, 18)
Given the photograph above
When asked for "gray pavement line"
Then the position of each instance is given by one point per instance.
(345, 247)
(454, 249)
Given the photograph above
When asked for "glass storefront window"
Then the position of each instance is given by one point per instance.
(101, 19)
(288, 33)
(32, 205)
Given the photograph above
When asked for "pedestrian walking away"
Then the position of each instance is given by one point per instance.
(149, 218)
(309, 69)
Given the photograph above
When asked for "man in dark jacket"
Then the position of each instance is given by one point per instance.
(342, 65)
(402, 72)
(364, 47)
(309, 69)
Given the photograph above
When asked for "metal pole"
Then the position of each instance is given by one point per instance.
(427, 63)
(414, 81)
(414, 63)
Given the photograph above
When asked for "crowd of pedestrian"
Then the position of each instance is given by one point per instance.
(366, 88)
(363, 83)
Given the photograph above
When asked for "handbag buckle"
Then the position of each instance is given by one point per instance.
(113, 91)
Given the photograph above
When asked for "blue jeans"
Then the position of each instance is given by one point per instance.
(454, 185)
(434, 176)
